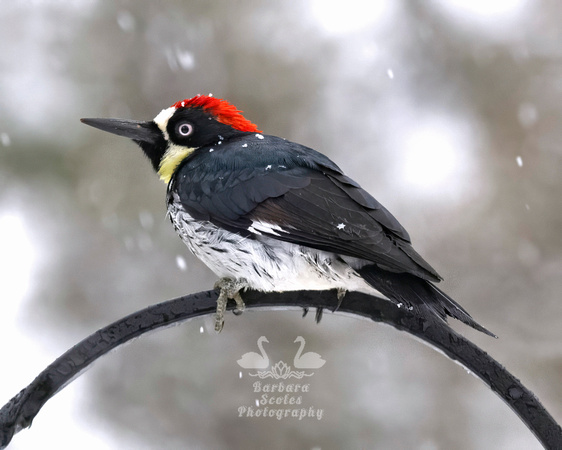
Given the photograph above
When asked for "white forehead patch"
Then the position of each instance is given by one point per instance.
(162, 120)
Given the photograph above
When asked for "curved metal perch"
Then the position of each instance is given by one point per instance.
(20, 411)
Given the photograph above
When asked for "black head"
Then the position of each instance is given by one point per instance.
(179, 130)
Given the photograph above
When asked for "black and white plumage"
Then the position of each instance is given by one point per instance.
(277, 214)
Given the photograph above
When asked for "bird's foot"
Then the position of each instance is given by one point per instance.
(340, 294)
(229, 289)
(319, 314)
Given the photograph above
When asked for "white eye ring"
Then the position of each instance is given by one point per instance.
(185, 129)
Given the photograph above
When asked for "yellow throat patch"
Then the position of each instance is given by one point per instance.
(174, 155)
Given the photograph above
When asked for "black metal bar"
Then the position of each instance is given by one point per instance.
(20, 411)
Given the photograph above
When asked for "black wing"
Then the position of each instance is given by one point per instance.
(303, 194)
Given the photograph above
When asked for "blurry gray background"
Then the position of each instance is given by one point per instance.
(448, 112)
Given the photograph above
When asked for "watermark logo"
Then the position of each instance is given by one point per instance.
(280, 399)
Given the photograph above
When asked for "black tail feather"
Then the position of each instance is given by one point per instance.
(416, 292)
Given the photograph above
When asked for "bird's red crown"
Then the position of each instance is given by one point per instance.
(223, 111)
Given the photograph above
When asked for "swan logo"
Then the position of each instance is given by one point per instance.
(309, 360)
(253, 360)
(278, 398)
(281, 370)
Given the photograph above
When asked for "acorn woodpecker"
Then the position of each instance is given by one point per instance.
(272, 215)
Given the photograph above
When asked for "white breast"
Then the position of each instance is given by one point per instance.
(266, 263)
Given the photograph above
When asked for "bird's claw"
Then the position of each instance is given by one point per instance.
(229, 289)
(340, 294)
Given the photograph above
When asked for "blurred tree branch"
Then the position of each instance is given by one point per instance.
(20, 411)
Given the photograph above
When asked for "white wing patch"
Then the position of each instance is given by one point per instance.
(259, 227)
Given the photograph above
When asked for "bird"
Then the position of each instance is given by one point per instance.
(253, 360)
(309, 360)
(268, 214)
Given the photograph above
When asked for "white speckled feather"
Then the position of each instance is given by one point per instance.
(266, 263)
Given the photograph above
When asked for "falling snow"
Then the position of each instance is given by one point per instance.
(259, 136)
(211, 150)
(201, 330)
(519, 161)
(129, 243)
(182, 265)
(180, 59)
(244, 145)
(146, 220)
(185, 59)
(144, 242)
(390, 74)
(341, 226)
(5, 139)
(527, 115)
(126, 21)
(268, 167)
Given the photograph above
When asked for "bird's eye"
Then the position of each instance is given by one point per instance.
(184, 129)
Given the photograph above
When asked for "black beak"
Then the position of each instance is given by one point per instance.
(137, 131)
